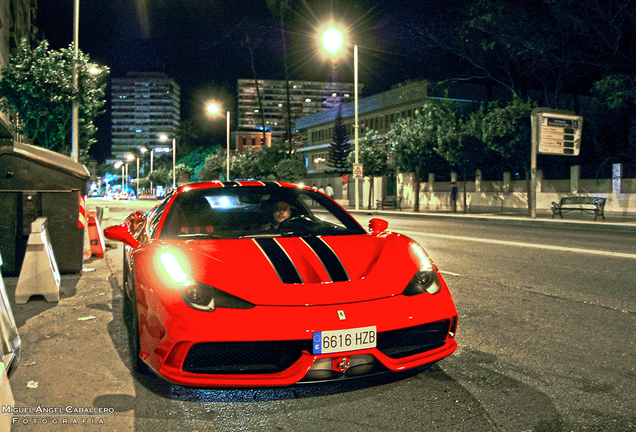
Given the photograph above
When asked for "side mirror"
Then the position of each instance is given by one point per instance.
(377, 226)
(121, 233)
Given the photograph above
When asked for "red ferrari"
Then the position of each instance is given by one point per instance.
(267, 284)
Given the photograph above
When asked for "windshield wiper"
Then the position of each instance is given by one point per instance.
(202, 235)
(261, 235)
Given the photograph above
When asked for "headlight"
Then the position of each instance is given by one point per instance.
(203, 297)
(173, 268)
(425, 278)
(175, 272)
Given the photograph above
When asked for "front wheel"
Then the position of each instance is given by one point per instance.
(132, 321)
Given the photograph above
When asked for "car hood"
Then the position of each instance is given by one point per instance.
(304, 270)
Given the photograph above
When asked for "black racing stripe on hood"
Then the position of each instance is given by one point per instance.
(329, 259)
(283, 265)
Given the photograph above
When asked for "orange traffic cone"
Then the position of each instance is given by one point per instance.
(96, 236)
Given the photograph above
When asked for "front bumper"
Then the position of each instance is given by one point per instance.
(224, 348)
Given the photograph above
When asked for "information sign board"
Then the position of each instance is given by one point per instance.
(558, 134)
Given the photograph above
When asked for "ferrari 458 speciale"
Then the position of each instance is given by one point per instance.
(254, 283)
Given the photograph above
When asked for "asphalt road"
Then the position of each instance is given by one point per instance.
(546, 343)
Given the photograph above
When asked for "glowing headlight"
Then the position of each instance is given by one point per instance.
(425, 278)
(175, 272)
(173, 268)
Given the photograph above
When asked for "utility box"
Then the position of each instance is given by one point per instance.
(36, 182)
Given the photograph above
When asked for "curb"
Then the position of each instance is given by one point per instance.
(497, 218)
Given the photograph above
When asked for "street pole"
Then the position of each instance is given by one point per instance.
(75, 107)
(355, 92)
(137, 177)
(174, 163)
(152, 153)
(228, 146)
(533, 168)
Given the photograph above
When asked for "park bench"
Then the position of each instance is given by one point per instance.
(590, 204)
(389, 201)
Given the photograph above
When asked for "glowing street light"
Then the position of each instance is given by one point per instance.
(332, 41)
(163, 138)
(119, 164)
(214, 109)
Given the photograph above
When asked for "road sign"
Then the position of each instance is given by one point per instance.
(557, 133)
(358, 171)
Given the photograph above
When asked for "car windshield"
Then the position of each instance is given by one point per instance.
(244, 212)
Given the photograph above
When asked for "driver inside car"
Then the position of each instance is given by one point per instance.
(282, 212)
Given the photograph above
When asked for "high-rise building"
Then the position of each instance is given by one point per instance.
(144, 105)
(306, 97)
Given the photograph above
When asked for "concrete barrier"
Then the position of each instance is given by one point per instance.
(39, 274)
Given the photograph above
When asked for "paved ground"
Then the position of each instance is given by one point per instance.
(71, 356)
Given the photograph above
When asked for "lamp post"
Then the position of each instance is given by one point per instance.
(119, 164)
(143, 151)
(137, 194)
(129, 158)
(152, 155)
(333, 40)
(163, 138)
(75, 107)
(214, 109)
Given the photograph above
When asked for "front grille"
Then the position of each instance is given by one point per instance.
(414, 340)
(273, 357)
(244, 357)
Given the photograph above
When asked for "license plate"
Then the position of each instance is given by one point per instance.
(334, 341)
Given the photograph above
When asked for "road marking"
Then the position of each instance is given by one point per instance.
(530, 245)
(449, 273)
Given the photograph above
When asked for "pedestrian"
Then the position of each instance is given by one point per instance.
(453, 197)
(329, 191)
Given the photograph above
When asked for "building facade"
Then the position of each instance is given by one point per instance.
(306, 97)
(144, 107)
(375, 113)
(17, 21)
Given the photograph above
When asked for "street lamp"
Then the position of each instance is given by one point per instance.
(129, 158)
(333, 40)
(137, 194)
(143, 151)
(163, 138)
(75, 106)
(214, 109)
(117, 165)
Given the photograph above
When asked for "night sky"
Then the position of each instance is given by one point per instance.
(201, 43)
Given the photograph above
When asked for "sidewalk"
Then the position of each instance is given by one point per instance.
(625, 222)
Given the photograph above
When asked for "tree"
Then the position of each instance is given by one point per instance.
(37, 85)
(195, 159)
(507, 131)
(161, 176)
(187, 135)
(414, 142)
(458, 139)
(373, 153)
(290, 169)
(340, 147)
(283, 10)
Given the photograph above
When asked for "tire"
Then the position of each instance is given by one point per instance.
(131, 318)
